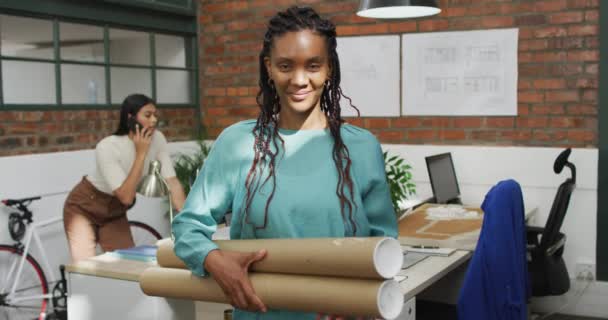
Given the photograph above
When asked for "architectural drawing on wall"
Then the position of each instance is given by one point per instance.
(370, 75)
(460, 73)
(440, 85)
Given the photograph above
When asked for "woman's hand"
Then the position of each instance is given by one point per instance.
(142, 139)
(230, 271)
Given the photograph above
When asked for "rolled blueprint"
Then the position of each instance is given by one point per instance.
(328, 295)
(370, 258)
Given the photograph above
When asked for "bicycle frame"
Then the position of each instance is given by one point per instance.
(32, 234)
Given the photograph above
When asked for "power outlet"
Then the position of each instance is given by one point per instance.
(585, 270)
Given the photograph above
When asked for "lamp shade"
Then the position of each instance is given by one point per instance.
(395, 9)
(152, 185)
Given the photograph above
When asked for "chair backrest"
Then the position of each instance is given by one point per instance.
(560, 202)
(557, 214)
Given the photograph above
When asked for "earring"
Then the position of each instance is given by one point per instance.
(327, 84)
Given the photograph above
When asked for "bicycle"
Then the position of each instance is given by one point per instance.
(24, 285)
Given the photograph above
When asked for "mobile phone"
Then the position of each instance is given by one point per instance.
(132, 122)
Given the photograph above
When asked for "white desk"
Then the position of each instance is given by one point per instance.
(105, 287)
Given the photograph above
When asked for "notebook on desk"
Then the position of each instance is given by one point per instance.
(140, 253)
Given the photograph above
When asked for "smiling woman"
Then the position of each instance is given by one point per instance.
(297, 171)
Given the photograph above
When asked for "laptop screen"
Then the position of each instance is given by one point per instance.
(443, 177)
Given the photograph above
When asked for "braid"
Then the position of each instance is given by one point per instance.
(265, 130)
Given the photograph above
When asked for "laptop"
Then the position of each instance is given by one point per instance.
(443, 179)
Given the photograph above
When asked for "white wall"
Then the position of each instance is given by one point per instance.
(477, 168)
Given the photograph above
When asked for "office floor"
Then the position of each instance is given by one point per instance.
(432, 311)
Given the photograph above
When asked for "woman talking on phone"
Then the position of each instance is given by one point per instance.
(95, 211)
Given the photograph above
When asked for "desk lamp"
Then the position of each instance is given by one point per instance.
(154, 185)
(395, 9)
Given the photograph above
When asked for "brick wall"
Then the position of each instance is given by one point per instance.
(558, 68)
(23, 132)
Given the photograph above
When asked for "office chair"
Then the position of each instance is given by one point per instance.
(548, 273)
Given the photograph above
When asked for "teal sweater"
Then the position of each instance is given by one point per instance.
(305, 204)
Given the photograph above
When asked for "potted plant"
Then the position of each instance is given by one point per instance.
(399, 178)
(188, 165)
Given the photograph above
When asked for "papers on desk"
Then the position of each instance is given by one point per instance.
(449, 212)
(428, 250)
(411, 258)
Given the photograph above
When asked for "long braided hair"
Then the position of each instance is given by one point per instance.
(265, 130)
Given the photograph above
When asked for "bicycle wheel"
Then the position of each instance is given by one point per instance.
(143, 233)
(32, 282)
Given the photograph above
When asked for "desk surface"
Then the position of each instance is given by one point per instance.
(109, 266)
(428, 271)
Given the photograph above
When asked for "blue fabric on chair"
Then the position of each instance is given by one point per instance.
(496, 284)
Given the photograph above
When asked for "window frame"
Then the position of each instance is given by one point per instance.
(191, 64)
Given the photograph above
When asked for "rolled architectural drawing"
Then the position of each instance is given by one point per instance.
(370, 258)
(328, 295)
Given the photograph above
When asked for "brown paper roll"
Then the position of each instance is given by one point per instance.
(373, 258)
(329, 295)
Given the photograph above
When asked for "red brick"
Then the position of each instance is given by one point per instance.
(523, 109)
(592, 16)
(516, 135)
(583, 3)
(213, 112)
(547, 109)
(536, 44)
(531, 96)
(421, 134)
(452, 134)
(549, 83)
(468, 122)
(530, 20)
(404, 122)
(216, 91)
(566, 17)
(550, 5)
(562, 96)
(500, 122)
(464, 23)
(244, 111)
(581, 135)
(544, 57)
(582, 109)
(391, 136)
(590, 95)
(553, 31)
(592, 55)
(432, 25)
(483, 9)
(585, 30)
(515, 7)
(355, 121)
(407, 26)
(534, 122)
(497, 22)
(377, 123)
(454, 12)
(247, 101)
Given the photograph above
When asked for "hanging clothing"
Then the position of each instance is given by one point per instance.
(496, 285)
